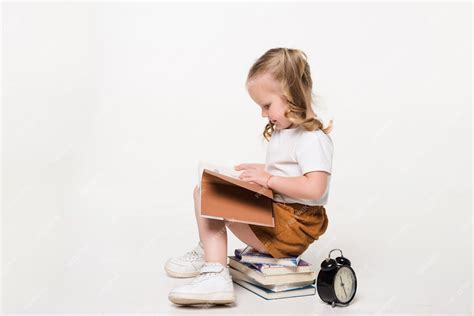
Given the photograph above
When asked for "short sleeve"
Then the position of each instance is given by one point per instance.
(314, 152)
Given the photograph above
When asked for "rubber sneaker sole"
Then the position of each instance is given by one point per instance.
(199, 299)
(175, 274)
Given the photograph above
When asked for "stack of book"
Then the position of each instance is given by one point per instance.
(272, 278)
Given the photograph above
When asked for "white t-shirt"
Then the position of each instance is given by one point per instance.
(295, 151)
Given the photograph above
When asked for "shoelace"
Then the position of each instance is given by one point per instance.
(192, 255)
(203, 276)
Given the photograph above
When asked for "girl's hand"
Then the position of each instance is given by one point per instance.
(246, 166)
(259, 176)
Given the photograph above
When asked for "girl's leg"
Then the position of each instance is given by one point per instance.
(240, 230)
(212, 233)
(246, 235)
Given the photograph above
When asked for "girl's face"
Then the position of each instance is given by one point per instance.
(267, 93)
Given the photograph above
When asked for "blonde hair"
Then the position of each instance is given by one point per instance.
(290, 68)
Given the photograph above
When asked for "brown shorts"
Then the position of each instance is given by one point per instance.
(296, 227)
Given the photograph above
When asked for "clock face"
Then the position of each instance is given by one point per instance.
(344, 284)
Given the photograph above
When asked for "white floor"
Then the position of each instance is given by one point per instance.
(90, 264)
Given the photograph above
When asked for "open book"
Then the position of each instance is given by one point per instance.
(225, 196)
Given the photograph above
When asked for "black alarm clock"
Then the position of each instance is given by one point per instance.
(337, 282)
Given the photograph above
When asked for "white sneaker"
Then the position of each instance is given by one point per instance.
(187, 265)
(212, 286)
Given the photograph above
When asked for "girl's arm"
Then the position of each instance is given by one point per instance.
(311, 186)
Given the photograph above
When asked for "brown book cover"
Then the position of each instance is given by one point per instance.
(235, 200)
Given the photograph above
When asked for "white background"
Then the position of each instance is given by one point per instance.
(107, 109)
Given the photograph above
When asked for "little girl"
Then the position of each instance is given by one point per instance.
(297, 170)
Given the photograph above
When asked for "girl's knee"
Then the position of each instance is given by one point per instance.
(196, 192)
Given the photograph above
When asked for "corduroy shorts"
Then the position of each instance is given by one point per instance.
(296, 227)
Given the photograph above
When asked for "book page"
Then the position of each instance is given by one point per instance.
(227, 171)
